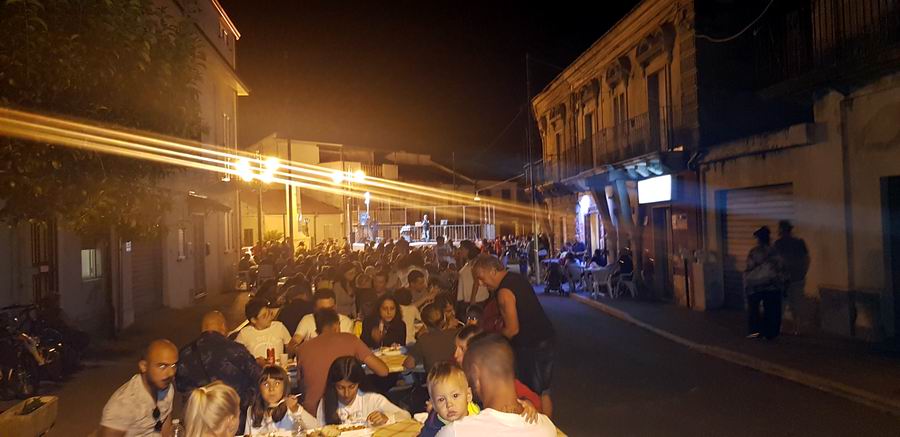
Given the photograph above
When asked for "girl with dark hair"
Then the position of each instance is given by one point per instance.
(275, 409)
(386, 326)
(344, 403)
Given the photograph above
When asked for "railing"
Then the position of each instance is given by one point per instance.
(415, 233)
(646, 133)
(640, 135)
(818, 34)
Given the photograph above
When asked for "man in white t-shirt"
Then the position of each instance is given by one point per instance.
(263, 332)
(142, 407)
(306, 329)
(490, 367)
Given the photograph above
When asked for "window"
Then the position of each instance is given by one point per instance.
(91, 267)
(505, 194)
(620, 109)
(181, 245)
(229, 231)
(588, 127)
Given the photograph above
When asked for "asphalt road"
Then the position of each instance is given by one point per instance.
(615, 379)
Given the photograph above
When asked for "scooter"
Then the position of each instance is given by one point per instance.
(18, 365)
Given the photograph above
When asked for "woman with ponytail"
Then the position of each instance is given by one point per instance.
(212, 411)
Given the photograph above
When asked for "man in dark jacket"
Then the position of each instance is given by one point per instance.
(213, 357)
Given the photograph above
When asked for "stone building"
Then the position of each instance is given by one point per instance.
(789, 116)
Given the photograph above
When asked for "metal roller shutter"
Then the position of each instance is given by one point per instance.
(146, 275)
(745, 211)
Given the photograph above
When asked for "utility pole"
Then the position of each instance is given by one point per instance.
(534, 215)
(259, 202)
(290, 197)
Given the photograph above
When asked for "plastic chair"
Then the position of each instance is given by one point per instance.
(626, 281)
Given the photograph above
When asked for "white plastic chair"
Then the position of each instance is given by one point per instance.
(626, 281)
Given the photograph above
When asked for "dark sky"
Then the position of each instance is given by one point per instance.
(430, 77)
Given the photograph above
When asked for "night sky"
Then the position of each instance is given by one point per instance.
(431, 77)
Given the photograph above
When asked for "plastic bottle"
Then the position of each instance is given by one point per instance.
(178, 429)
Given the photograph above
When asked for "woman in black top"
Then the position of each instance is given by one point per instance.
(386, 327)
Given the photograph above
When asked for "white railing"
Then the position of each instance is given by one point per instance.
(416, 233)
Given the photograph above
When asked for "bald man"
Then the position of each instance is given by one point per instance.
(490, 368)
(213, 357)
(143, 405)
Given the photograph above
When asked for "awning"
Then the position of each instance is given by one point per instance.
(309, 205)
(198, 203)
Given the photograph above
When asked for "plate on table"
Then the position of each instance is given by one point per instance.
(340, 431)
(392, 351)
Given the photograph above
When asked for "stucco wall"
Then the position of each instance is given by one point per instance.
(815, 173)
(873, 137)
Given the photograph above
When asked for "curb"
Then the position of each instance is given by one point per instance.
(882, 403)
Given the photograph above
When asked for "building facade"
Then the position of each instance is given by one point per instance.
(110, 285)
(311, 215)
(786, 119)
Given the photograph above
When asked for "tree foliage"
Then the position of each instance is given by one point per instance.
(126, 63)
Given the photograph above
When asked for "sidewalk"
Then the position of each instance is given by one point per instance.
(111, 363)
(865, 373)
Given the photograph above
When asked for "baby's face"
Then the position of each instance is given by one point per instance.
(451, 397)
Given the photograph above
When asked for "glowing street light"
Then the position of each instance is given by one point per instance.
(367, 197)
(337, 177)
(271, 166)
(477, 199)
(359, 176)
(242, 167)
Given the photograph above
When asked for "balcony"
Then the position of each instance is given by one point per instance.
(638, 136)
(812, 43)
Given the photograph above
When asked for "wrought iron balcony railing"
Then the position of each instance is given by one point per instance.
(837, 39)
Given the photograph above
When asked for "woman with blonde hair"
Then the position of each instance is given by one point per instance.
(213, 411)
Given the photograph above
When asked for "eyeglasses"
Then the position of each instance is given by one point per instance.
(159, 424)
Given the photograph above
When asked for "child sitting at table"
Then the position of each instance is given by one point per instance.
(344, 403)
(274, 409)
(451, 397)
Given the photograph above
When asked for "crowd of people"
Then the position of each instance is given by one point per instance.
(474, 333)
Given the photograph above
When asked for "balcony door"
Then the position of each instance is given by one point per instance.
(657, 111)
(587, 148)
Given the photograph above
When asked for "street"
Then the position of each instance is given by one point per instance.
(614, 379)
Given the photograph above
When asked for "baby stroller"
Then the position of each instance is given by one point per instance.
(555, 278)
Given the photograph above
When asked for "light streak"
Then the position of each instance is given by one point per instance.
(246, 165)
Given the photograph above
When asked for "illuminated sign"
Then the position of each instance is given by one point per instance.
(658, 189)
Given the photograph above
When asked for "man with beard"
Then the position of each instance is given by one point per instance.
(143, 405)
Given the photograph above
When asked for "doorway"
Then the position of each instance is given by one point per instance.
(891, 211)
(200, 253)
(662, 225)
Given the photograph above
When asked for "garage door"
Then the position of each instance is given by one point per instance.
(146, 275)
(745, 211)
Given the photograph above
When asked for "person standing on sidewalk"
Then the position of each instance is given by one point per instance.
(213, 357)
(142, 407)
(525, 324)
(763, 284)
(795, 256)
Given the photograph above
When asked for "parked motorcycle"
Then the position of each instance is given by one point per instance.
(18, 366)
(29, 352)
